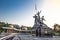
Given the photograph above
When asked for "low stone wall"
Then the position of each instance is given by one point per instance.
(8, 36)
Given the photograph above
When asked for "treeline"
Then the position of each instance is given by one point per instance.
(56, 29)
(3, 24)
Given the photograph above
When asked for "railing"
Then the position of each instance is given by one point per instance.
(8, 36)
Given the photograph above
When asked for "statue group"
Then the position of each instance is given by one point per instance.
(38, 20)
(38, 23)
(40, 27)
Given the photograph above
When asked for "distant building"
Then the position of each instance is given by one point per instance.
(16, 26)
(23, 27)
(11, 29)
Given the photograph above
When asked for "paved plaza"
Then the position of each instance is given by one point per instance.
(30, 37)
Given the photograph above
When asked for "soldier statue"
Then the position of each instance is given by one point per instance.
(37, 24)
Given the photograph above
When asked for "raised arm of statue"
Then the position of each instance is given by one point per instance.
(38, 13)
(35, 19)
(43, 18)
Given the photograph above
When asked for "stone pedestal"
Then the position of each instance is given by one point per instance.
(38, 32)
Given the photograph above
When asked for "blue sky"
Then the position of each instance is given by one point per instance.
(17, 11)
(22, 11)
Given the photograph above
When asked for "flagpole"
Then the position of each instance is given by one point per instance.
(35, 8)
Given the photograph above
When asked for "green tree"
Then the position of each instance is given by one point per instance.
(3, 24)
(29, 28)
(55, 25)
(56, 28)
